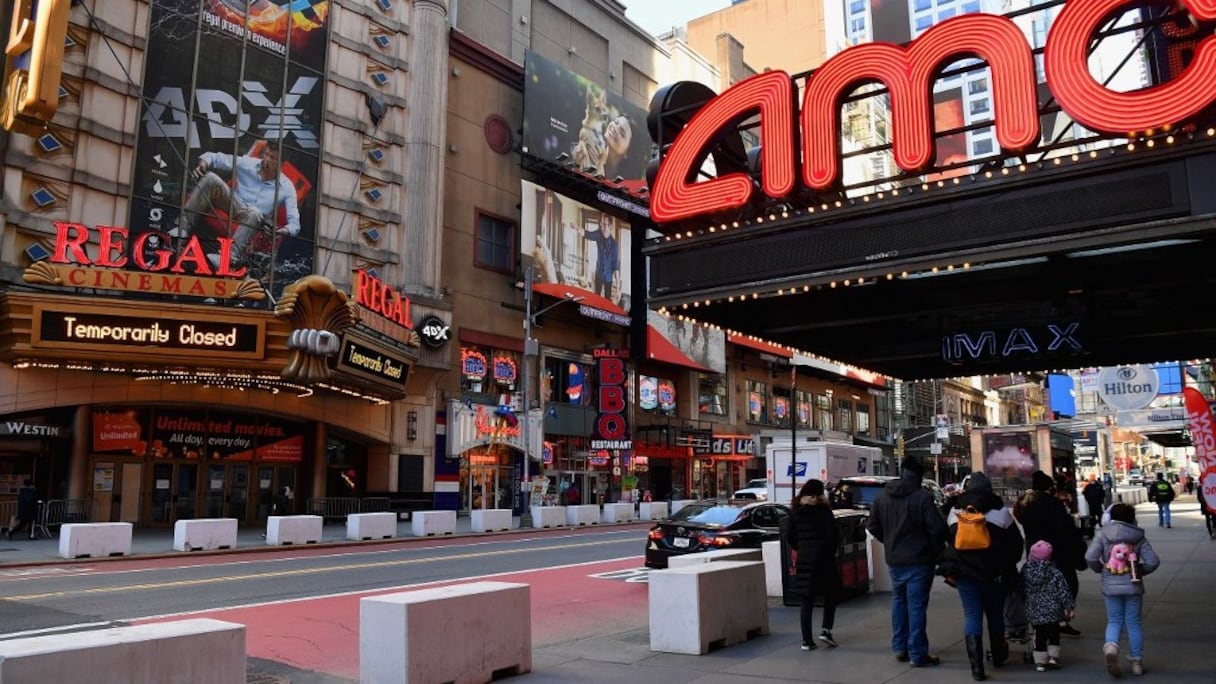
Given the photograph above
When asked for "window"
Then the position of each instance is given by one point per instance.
(863, 419)
(494, 243)
(802, 409)
(979, 106)
(857, 6)
(565, 382)
(488, 371)
(823, 411)
(981, 147)
(757, 402)
(977, 86)
(857, 25)
(923, 22)
(711, 394)
(921, 5)
(882, 416)
(971, 7)
(946, 14)
(846, 415)
(783, 410)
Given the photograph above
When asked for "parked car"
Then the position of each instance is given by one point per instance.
(865, 489)
(756, 490)
(706, 525)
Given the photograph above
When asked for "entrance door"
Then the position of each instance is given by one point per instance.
(174, 492)
(276, 491)
(227, 491)
(130, 486)
(488, 487)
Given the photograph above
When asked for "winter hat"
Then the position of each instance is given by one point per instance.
(1040, 551)
(979, 482)
(1041, 481)
(913, 466)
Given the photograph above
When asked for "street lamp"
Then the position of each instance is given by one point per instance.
(530, 349)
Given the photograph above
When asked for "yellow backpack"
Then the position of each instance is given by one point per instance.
(972, 531)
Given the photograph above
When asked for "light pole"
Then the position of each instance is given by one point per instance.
(531, 348)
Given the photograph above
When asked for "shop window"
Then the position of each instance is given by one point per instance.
(846, 415)
(494, 243)
(803, 405)
(711, 394)
(823, 411)
(863, 419)
(656, 395)
(882, 416)
(475, 369)
(757, 402)
(783, 408)
(566, 382)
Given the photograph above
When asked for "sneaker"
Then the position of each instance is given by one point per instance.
(808, 646)
(1040, 668)
(1137, 667)
(1069, 630)
(1111, 651)
(902, 656)
(929, 661)
(826, 637)
(1053, 663)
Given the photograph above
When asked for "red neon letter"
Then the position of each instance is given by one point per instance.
(907, 73)
(1093, 105)
(612, 372)
(113, 243)
(675, 196)
(70, 237)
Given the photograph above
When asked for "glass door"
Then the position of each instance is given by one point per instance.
(174, 493)
(276, 491)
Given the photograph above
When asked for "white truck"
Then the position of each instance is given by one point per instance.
(827, 461)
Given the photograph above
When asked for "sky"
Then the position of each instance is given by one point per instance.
(659, 16)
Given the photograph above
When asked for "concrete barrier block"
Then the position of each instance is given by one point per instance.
(199, 651)
(680, 503)
(95, 540)
(293, 529)
(548, 516)
(431, 523)
(585, 514)
(470, 632)
(617, 512)
(360, 526)
(491, 519)
(770, 551)
(699, 608)
(652, 510)
(204, 534)
(876, 557)
(715, 555)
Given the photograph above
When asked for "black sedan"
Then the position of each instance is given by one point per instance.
(706, 525)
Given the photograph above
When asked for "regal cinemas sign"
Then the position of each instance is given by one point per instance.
(803, 147)
(109, 258)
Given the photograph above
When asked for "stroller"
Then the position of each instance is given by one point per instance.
(1018, 629)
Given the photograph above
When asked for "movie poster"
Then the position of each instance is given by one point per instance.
(1010, 462)
(229, 138)
(570, 120)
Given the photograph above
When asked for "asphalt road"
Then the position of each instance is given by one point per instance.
(65, 597)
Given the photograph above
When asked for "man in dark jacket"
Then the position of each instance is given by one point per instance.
(1162, 493)
(905, 519)
(1043, 517)
(1094, 495)
(27, 509)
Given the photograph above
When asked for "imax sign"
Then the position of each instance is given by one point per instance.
(1022, 342)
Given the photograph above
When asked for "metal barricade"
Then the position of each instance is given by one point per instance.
(56, 512)
(8, 513)
(333, 508)
(374, 504)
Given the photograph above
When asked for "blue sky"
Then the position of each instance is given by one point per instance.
(658, 16)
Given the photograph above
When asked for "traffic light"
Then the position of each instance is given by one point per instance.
(33, 66)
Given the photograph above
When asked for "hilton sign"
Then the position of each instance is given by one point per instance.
(908, 72)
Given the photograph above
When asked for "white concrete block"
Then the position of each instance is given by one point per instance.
(876, 557)
(548, 516)
(698, 608)
(491, 519)
(617, 512)
(771, 553)
(715, 555)
(430, 523)
(382, 525)
(652, 510)
(458, 633)
(680, 503)
(95, 540)
(293, 529)
(204, 534)
(199, 651)
(585, 514)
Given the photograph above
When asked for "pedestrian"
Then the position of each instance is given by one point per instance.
(27, 509)
(1162, 493)
(842, 496)
(906, 521)
(1209, 517)
(1048, 603)
(1123, 557)
(950, 495)
(1094, 495)
(983, 547)
(813, 533)
(1044, 517)
(574, 496)
(1190, 485)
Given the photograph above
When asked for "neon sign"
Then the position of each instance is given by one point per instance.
(1016, 342)
(611, 427)
(380, 297)
(907, 72)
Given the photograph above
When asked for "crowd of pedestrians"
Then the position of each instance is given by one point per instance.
(1003, 561)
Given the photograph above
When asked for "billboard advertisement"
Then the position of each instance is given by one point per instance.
(577, 250)
(702, 344)
(1010, 462)
(229, 138)
(573, 121)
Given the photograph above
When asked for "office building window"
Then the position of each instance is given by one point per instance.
(711, 394)
(863, 419)
(823, 411)
(494, 243)
(845, 413)
(757, 402)
(981, 147)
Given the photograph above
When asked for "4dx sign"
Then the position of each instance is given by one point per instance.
(611, 428)
(908, 73)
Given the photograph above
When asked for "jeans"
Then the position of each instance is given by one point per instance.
(1125, 610)
(806, 616)
(909, 606)
(1163, 514)
(982, 599)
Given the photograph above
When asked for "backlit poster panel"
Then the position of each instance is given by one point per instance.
(229, 137)
(1009, 461)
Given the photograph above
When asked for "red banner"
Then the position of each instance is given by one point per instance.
(118, 431)
(1203, 435)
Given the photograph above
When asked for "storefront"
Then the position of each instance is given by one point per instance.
(484, 457)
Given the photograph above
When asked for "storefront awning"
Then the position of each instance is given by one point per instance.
(759, 345)
(659, 348)
(586, 300)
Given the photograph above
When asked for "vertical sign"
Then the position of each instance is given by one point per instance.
(611, 426)
(1203, 435)
(229, 138)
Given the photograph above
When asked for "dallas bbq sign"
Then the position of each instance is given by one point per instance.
(908, 72)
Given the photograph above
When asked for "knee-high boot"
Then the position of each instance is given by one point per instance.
(975, 653)
(1000, 649)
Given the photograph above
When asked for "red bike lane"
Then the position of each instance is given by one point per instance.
(322, 634)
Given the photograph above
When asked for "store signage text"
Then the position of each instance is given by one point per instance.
(377, 296)
(1128, 388)
(611, 427)
(114, 244)
(380, 365)
(908, 72)
(20, 428)
(144, 333)
(434, 332)
(1015, 342)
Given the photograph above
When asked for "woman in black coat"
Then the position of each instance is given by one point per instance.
(812, 532)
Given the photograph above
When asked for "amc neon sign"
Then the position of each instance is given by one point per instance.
(907, 72)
